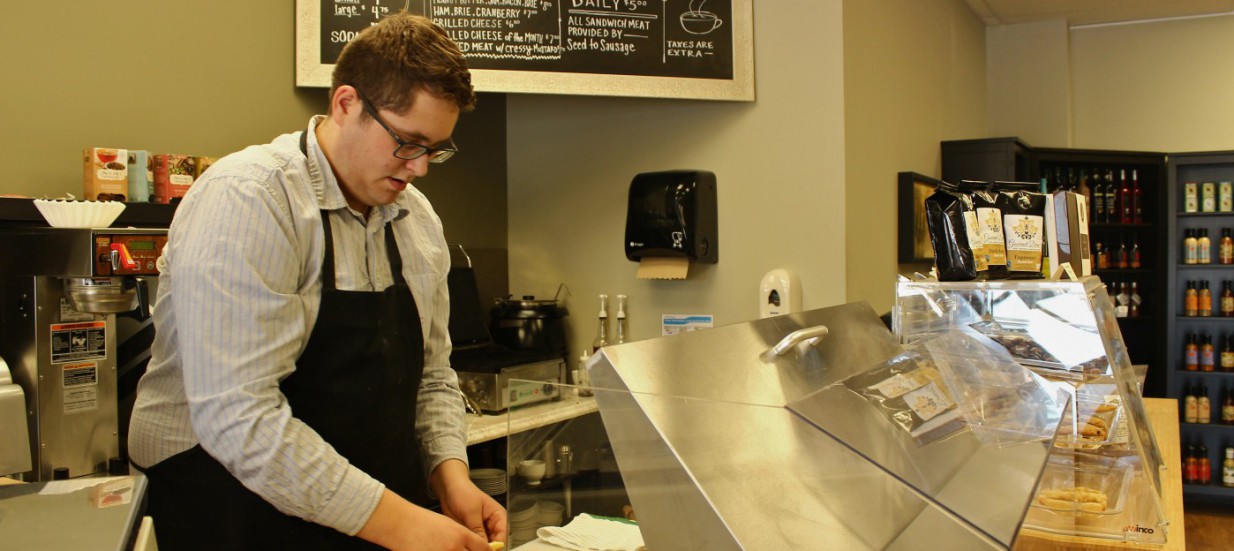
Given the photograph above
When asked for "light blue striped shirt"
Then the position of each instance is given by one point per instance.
(239, 292)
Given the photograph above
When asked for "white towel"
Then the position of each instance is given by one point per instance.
(590, 533)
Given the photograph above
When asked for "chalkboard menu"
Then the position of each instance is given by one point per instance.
(701, 49)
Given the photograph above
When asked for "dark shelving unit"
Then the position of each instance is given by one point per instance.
(1199, 168)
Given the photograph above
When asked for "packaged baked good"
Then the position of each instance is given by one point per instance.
(909, 390)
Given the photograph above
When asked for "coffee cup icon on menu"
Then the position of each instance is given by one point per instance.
(697, 21)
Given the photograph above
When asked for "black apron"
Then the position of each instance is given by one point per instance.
(355, 384)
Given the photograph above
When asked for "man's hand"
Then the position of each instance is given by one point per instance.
(462, 501)
(398, 524)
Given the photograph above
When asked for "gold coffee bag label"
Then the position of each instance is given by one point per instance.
(1024, 238)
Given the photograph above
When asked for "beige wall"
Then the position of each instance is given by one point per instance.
(200, 78)
(914, 74)
(1151, 86)
(1029, 82)
(1163, 86)
(779, 163)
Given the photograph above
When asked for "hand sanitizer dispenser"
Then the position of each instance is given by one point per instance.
(779, 293)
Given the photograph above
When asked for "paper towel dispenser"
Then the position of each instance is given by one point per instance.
(673, 214)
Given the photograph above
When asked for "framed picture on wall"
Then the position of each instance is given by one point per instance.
(690, 49)
(914, 237)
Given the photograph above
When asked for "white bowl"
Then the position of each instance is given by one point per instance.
(79, 214)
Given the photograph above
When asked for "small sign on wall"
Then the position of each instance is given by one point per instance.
(671, 324)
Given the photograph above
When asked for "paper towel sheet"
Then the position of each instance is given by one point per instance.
(591, 533)
(663, 267)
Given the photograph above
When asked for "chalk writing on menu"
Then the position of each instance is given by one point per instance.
(670, 38)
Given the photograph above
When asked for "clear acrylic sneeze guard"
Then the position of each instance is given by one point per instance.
(776, 434)
(1103, 475)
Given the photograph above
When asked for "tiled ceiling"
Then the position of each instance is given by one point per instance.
(1091, 12)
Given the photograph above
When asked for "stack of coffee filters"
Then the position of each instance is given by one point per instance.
(528, 516)
(490, 481)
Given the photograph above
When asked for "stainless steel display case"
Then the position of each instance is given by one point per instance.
(746, 437)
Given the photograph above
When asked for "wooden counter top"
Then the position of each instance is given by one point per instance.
(1163, 416)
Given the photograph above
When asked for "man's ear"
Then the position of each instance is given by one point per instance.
(345, 102)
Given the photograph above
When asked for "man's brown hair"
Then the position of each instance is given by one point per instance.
(400, 55)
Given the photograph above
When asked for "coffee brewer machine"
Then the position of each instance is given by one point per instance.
(61, 290)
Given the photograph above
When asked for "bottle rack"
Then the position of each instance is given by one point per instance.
(1012, 159)
(1142, 332)
(1198, 168)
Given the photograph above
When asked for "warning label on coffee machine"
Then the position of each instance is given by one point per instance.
(75, 342)
(81, 382)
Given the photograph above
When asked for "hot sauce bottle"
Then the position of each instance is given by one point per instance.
(1227, 469)
(1227, 356)
(1204, 248)
(1191, 469)
(1225, 248)
(1227, 408)
(1204, 468)
(1204, 300)
(1206, 364)
(1203, 407)
(1191, 249)
(1190, 300)
(1190, 405)
(1227, 299)
(1192, 354)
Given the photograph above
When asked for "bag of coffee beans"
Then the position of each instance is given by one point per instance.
(989, 226)
(1024, 227)
(949, 217)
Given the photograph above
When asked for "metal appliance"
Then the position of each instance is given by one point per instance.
(485, 369)
(61, 291)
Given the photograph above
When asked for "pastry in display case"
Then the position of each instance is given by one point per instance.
(1103, 476)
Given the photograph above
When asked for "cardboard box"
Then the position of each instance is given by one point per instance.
(173, 174)
(202, 164)
(1071, 228)
(105, 174)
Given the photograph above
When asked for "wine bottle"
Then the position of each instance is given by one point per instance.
(1124, 198)
(1111, 197)
(1136, 198)
(1097, 204)
(1134, 303)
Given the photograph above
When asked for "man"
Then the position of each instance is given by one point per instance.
(299, 391)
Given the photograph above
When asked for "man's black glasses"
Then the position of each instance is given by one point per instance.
(410, 150)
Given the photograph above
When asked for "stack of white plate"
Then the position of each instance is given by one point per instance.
(489, 481)
(549, 513)
(523, 523)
